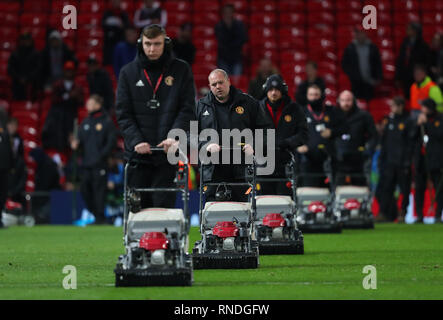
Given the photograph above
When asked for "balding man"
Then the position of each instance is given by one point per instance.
(357, 145)
(226, 107)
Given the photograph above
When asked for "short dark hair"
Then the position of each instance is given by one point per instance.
(97, 98)
(399, 101)
(153, 31)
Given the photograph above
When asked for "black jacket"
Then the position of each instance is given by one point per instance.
(97, 139)
(434, 148)
(302, 89)
(360, 140)
(45, 60)
(292, 128)
(100, 83)
(333, 119)
(397, 140)
(17, 178)
(231, 41)
(137, 121)
(245, 113)
(6, 154)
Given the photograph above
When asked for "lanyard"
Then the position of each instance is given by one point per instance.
(275, 118)
(317, 118)
(156, 86)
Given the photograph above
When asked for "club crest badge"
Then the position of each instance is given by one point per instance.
(288, 118)
(239, 110)
(169, 80)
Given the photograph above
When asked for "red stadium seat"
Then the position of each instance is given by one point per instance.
(203, 68)
(206, 57)
(57, 5)
(379, 107)
(128, 6)
(8, 45)
(295, 6)
(92, 6)
(9, 6)
(209, 19)
(262, 19)
(291, 38)
(387, 56)
(381, 5)
(263, 6)
(202, 32)
(202, 7)
(259, 35)
(8, 19)
(348, 5)
(177, 6)
(320, 5)
(178, 19)
(243, 18)
(432, 17)
(240, 82)
(291, 19)
(89, 33)
(407, 5)
(10, 33)
(320, 30)
(349, 18)
(34, 20)
(291, 56)
(241, 6)
(35, 6)
(405, 17)
(89, 21)
(36, 32)
(320, 17)
(432, 5)
(321, 43)
(206, 44)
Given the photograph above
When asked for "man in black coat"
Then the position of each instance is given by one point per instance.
(5, 165)
(155, 94)
(362, 63)
(325, 123)
(289, 121)
(395, 159)
(356, 146)
(413, 51)
(96, 140)
(311, 78)
(429, 157)
(226, 107)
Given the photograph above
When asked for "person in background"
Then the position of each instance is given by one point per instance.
(150, 13)
(311, 78)
(95, 142)
(429, 157)
(231, 36)
(23, 68)
(100, 83)
(53, 58)
(16, 139)
(414, 50)
(182, 45)
(67, 97)
(125, 51)
(265, 69)
(6, 163)
(290, 126)
(424, 88)
(437, 59)
(114, 22)
(362, 63)
(355, 147)
(395, 160)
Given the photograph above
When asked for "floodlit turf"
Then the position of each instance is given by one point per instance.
(408, 258)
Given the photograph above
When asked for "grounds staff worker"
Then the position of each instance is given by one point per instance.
(155, 94)
(289, 122)
(226, 107)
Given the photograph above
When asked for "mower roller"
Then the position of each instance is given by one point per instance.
(276, 225)
(227, 230)
(155, 239)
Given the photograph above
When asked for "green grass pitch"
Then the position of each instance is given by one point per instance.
(408, 260)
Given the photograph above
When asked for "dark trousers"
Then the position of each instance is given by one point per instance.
(312, 174)
(421, 184)
(277, 187)
(226, 173)
(3, 191)
(394, 175)
(350, 171)
(153, 176)
(93, 190)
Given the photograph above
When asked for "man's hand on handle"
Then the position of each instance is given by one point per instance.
(143, 148)
(169, 145)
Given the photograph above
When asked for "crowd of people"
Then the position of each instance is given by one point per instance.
(156, 93)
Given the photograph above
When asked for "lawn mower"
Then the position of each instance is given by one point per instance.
(13, 214)
(353, 205)
(227, 228)
(276, 226)
(155, 239)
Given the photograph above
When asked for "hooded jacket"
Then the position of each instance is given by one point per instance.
(176, 95)
(245, 113)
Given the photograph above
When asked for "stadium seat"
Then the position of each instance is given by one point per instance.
(241, 6)
(8, 19)
(202, 7)
(90, 21)
(209, 19)
(320, 5)
(320, 30)
(206, 57)
(379, 107)
(349, 5)
(349, 18)
(177, 6)
(432, 5)
(320, 17)
(34, 20)
(92, 6)
(57, 5)
(24, 106)
(381, 5)
(8, 45)
(262, 19)
(263, 6)
(287, 19)
(294, 6)
(240, 82)
(203, 32)
(405, 17)
(178, 19)
(432, 17)
(9, 33)
(292, 56)
(407, 5)
(35, 6)
(206, 44)
(260, 35)
(9, 6)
